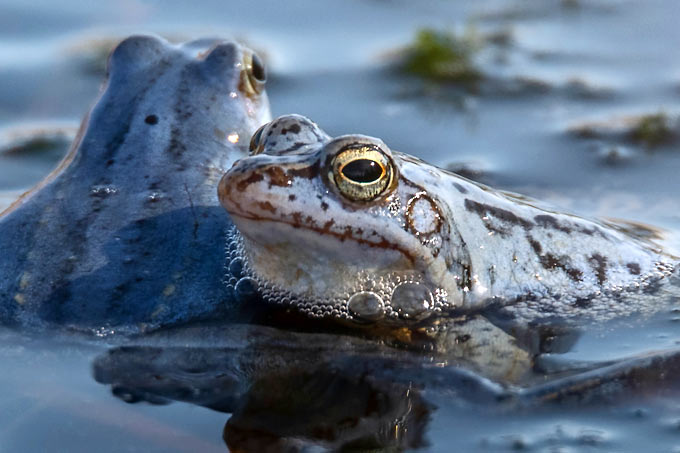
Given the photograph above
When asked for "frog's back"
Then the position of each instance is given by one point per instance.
(123, 232)
(538, 262)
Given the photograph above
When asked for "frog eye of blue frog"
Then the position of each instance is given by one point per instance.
(254, 76)
(361, 173)
(258, 70)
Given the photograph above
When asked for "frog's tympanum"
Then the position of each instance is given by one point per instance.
(123, 232)
(346, 228)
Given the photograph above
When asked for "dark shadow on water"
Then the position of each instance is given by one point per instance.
(288, 391)
(292, 391)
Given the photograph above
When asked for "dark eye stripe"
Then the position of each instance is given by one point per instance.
(363, 171)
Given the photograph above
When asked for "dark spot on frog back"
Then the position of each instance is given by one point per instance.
(599, 265)
(535, 245)
(294, 128)
(552, 262)
(548, 221)
(582, 302)
(633, 268)
(483, 210)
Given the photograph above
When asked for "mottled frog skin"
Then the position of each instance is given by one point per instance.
(346, 228)
(122, 233)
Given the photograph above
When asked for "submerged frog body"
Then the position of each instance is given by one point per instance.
(121, 233)
(346, 228)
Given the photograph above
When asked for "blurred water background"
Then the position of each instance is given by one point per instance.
(577, 103)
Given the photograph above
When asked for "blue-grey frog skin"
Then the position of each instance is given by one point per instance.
(121, 235)
(345, 228)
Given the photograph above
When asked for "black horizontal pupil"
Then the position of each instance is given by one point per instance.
(258, 69)
(362, 170)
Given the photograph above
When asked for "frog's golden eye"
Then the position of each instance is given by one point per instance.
(362, 173)
(256, 144)
(255, 75)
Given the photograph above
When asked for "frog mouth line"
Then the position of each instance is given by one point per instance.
(326, 231)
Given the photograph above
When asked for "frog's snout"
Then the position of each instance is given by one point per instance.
(235, 182)
(224, 189)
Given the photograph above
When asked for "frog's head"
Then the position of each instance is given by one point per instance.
(210, 70)
(342, 227)
(191, 105)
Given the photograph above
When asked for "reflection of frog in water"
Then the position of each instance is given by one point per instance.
(289, 390)
(121, 234)
(284, 389)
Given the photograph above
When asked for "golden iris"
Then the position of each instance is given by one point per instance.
(361, 173)
(254, 77)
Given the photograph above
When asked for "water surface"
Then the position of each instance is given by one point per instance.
(567, 63)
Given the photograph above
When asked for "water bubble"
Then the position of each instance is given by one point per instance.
(366, 306)
(236, 267)
(412, 300)
(246, 287)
